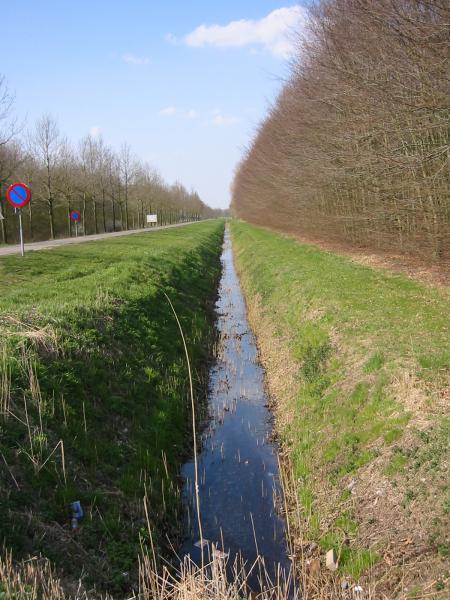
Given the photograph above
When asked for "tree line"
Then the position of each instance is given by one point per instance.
(356, 148)
(112, 191)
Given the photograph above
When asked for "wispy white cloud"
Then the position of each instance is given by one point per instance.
(192, 114)
(222, 120)
(273, 32)
(212, 117)
(132, 59)
(168, 111)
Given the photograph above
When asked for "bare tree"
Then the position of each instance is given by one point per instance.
(8, 123)
(91, 157)
(112, 190)
(356, 147)
(67, 184)
(9, 157)
(128, 169)
(46, 147)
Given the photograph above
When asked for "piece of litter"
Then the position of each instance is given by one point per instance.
(77, 513)
(331, 562)
(201, 543)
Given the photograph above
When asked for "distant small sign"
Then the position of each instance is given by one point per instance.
(152, 218)
(75, 215)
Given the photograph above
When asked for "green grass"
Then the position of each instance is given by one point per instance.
(350, 330)
(93, 325)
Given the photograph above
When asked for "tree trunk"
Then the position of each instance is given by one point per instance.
(95, 215)
(84, 213)
(69, 220)
(51, 218)
(103, 211)
(113, 213)
(120, 208)
(126, 204)
(30, 218)
(3, 221)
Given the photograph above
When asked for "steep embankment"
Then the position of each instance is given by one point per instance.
(358, 363)
(94, 388)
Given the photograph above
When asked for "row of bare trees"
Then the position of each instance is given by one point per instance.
(112, 190)
(356, 148)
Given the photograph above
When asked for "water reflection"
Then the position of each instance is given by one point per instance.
(238, 465)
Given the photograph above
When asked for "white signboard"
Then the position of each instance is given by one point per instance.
(152, 218)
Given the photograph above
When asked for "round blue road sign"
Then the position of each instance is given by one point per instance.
(74, 215)
(18, 195)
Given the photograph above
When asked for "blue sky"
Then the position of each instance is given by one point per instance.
(184, 83)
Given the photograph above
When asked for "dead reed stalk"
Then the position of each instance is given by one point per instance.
(5, 383)
(194, 428)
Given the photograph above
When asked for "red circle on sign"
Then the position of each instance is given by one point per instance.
(74, 215)
(12, 194)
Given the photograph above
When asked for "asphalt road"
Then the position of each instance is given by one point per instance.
(6, 250)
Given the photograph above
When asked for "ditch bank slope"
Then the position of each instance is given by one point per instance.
(94, 394)
(357, 364)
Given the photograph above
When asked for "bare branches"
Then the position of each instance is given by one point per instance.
(356, 147)
(8, 124)
(112, 190)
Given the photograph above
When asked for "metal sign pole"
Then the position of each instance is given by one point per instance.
(19, 195)
(22, 249)
(76, 228)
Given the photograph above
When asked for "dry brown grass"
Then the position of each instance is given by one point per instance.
(32, 579)
(217, 580)
(44, 337)
(5, 382)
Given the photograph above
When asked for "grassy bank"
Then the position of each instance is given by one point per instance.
(357, 362)
(94, 393)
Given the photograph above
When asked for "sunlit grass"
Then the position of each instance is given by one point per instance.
(371, 353)
(91, 355)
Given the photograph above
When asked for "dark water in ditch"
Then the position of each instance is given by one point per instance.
(237, 463)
